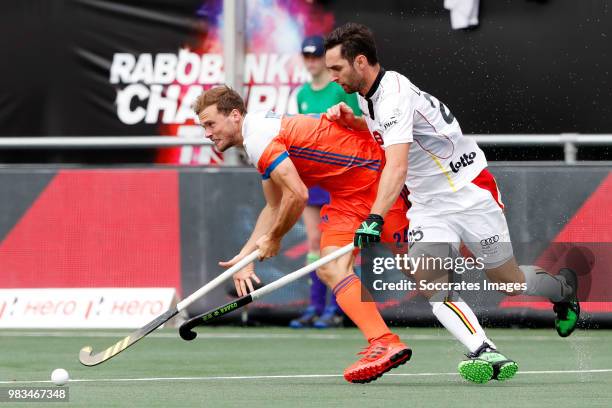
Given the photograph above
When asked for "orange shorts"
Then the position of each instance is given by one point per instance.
(339, 222)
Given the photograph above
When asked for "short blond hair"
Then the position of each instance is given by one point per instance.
(223, 96)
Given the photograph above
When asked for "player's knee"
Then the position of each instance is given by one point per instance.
(327, 273)
(332, 273)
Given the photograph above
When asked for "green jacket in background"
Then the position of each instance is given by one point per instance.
(311, 101)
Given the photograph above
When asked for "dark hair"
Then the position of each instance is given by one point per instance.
(223, 96)
(354, 39)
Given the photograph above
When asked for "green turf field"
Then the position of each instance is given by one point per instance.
(268, 367)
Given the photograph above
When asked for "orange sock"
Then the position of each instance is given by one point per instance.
(364, 314)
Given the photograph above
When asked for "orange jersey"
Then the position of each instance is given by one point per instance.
(324, 153)
(346, 163)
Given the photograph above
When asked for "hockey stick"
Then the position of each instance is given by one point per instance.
(186, 329)
(87, 356)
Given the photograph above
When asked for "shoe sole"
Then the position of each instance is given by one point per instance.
(395, 361)
(506, 371)
(476, 371)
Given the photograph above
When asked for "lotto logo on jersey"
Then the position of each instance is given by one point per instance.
(466, 160)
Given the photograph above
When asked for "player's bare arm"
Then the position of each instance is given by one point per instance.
(391, 183)
(243, 278)
(265, 220)
(392, 178)
(292, 204)
(344, 116)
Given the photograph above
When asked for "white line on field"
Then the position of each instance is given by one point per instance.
(305, 376)
(289, 336)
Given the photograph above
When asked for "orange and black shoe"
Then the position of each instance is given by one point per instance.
(380, 357)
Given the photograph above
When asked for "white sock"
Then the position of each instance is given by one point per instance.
(460, 320)
(541, 283)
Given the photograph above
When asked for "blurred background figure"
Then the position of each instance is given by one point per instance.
(313, 98)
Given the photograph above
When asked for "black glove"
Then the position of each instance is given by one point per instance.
(369, 231)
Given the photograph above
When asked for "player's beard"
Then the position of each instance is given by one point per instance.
(225, 144)
(230, 138)
(354, 83)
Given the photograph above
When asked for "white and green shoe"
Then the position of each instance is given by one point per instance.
(487, 364)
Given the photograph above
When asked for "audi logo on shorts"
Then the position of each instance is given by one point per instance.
(490, 240)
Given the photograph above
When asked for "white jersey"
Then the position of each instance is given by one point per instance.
(258, 130)
(440, 159)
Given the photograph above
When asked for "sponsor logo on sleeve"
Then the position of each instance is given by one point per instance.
(390, 123)
(392, 120)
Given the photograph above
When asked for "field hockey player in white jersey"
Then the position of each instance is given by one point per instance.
(454, 197)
